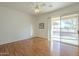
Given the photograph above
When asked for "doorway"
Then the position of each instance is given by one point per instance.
(64, 35)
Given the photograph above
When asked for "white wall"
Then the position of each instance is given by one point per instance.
(41, 32)
(46, 18)
(14, 25)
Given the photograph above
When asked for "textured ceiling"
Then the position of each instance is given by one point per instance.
(28, 7)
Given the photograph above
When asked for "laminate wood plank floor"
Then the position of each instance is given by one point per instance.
(29, 47)
(38, 47)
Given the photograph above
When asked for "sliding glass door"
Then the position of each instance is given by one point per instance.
(69, 35)
(64, 35)
(55, 36)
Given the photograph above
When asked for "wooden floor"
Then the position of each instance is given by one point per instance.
(30, 47)
(37, 47)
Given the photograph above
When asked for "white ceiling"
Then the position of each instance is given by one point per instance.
(28, 7)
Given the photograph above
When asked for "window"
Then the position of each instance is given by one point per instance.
(65, 29)
(69, 27)
(55, 29)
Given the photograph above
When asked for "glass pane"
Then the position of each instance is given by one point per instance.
(55, 36)
(69, 35)
(55, 32)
